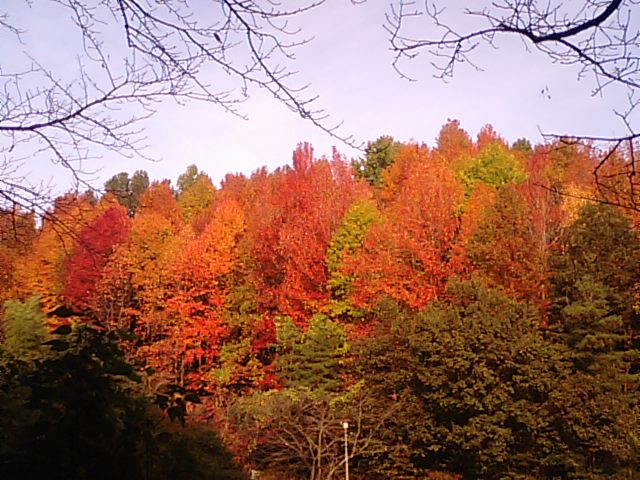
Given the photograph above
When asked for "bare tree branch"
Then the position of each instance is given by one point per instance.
(131, 54)
(601, 37)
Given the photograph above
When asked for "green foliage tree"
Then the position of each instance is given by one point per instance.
(484, 395)
(24, 328)
(601, 245)
(311, 359)
(295, 434)
(65, 415)
(138, 184)
(379, 156)
(522, 145)
(195, 196)
(595, 270)
(128, 190)
(187, 179)
(78, 411)
(493, 165)
(346, 241)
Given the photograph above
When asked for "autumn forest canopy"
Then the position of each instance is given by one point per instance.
(471, 308)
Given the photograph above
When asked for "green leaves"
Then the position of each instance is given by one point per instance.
(379, 156)
(494, 165)
(345, 244)
(24, 327)
(483, 394)
(311, 359)
(594, 274)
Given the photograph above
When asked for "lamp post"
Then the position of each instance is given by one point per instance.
(345, 425)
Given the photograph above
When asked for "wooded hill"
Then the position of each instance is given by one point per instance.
(470, 309)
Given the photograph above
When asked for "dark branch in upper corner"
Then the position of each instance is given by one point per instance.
(569, 32)
(598, 36)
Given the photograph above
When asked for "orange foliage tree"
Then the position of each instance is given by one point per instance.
(195, 310)
(40, 272)
(159, 198)
(407, 255)
(292, 229)
(504, 250)
(17, 232)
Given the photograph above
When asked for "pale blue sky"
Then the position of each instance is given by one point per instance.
(349, 67)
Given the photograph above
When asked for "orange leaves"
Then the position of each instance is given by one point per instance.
(291, 228)
(40, 271)
(453, 142)
(17, 231)
(302, 157)
(406, 256)
(503, 248)
(198, 281)
(200, 270)
(200, 287)
(159, 198)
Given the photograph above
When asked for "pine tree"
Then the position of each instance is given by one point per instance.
(312, 359)
(24, 327)
(594, 272)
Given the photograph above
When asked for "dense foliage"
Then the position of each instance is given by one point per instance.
(71, 407)
(471, 310)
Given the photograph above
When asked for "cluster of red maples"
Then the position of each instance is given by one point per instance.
(195, 280)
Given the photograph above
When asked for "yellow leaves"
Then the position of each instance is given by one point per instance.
(153, 247)
(40, 271)
(575, 197)
(196, 198)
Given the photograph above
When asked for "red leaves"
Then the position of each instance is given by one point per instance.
(197, 283)
(291, 228)
(96, 243)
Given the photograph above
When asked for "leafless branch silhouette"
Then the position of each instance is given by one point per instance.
(600, 37)
(131, 55)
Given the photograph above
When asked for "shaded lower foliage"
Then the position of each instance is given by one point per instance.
(73, 409)
(483, 394)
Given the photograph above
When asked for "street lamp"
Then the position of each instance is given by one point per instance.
(345, 425)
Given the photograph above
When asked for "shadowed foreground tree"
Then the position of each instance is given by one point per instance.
(600, 38)
(595, 270)
(298, 434)
(480, 392)
(72, 408)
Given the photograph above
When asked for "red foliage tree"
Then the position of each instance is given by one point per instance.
(295, 217)
(95, 245)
